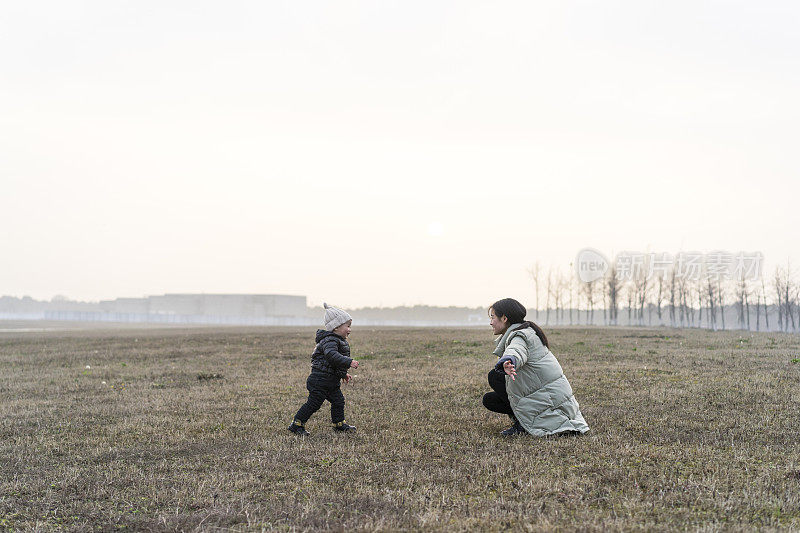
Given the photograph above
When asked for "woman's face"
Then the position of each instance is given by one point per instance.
(499, 324)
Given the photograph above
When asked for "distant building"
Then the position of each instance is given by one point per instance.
(126, 305)
(241, 305)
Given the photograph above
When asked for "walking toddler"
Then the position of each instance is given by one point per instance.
(329, 364)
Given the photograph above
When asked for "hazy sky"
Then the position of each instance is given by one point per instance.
(387, 153)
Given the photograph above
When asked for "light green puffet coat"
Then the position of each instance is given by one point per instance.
(541, 396)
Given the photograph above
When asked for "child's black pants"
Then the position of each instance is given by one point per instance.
(321, 387)
(497, 400)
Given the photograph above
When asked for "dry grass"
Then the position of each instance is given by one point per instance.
(691, 430)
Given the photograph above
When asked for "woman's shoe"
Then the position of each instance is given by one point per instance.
(514, 430)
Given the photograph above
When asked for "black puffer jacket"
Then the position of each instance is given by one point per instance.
(332, 354)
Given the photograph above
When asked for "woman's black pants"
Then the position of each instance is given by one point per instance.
(497, 400)
(322, 387)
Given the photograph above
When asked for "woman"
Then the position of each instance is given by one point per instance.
(527, 381)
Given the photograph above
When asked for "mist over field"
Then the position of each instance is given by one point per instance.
(384, 155)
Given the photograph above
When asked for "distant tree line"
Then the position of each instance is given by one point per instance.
(664, 297)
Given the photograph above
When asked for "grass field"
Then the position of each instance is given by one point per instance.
(185, 429)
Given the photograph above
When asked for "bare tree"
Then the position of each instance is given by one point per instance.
(711, 294)
(631, 296)
(606, 306)
(758, 310)
(588, 290)
(570, 280)
(612, 287)
(660, 297)
(673, 288)
(535, 272)
(698, 290)
(687, 301)
(558, 286)
(764, 293)
(549, 294)
(784, 291)
(747, 307)
(793, 303)
(641, 285)
(782, 320)
(682, 308)
(721, 301)
(788, 296)
(742, 304)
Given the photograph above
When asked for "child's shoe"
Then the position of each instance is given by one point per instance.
(298, 428)
(343, 426)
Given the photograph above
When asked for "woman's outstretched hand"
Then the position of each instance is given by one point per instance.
(508, 366)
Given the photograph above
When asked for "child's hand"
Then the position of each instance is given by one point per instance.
(508, 366)
(348, 378)
(354, 364)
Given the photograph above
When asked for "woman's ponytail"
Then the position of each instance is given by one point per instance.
(539, 333)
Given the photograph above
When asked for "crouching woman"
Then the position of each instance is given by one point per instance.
(527, 382)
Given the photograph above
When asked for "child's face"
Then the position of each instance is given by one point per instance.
(499, 324)
(344, 329)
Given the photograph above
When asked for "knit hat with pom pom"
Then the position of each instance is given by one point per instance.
(335, 317)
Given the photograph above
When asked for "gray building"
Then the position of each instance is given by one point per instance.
(243, 305)
(126, 305)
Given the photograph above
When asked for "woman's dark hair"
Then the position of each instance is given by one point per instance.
(515, 313)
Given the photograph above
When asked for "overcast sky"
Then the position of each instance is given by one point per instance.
(387, 153)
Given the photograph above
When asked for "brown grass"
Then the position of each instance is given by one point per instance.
(691, 430)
